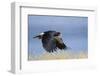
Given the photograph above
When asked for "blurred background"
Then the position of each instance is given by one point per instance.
(74, 31)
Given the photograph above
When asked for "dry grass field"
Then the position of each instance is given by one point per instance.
(60, 54)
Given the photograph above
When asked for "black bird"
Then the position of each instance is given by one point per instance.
(51, 41)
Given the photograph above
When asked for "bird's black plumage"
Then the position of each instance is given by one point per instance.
(51, 41)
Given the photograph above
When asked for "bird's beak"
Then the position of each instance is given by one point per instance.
(35, 37)
(38, 36)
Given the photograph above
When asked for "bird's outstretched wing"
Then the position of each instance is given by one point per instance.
(49, 45)
(59, 43)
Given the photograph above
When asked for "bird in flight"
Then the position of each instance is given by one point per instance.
(51, 41)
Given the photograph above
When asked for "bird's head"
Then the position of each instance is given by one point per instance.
(39, 36)
(47, 34)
